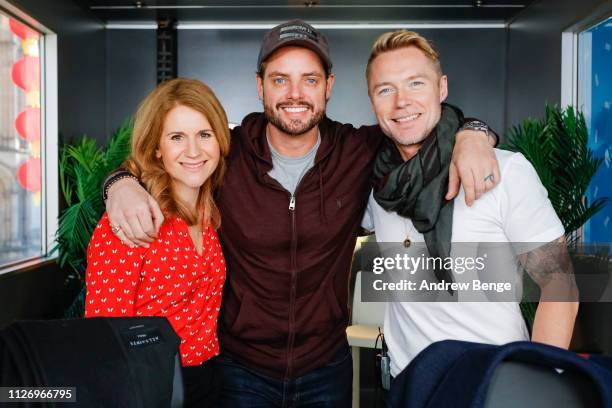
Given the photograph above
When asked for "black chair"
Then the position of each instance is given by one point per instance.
(111, 362)
(518, 384)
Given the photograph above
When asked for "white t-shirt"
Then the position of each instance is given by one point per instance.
(517, 210)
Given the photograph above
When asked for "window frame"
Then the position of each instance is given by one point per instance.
(569, 53)
(569, 65)
(49, 142)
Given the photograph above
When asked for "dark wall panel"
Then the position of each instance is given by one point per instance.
(36, 293)
(130, 72)
(534, 55)
(226, 59)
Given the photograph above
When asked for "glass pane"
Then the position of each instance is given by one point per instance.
(594, 98)
(20, 142)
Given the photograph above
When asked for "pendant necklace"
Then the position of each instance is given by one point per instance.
(407, 241)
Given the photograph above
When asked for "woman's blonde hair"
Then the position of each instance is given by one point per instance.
(148, 127)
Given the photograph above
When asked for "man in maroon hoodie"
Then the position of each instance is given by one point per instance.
(295, 191)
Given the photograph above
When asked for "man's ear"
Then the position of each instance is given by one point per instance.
(329, 85)
(443, 88)
(259, 86)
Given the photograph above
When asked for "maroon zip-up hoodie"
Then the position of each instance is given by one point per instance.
(285, 305)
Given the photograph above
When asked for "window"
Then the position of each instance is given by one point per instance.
(28, 142)
(595, 99)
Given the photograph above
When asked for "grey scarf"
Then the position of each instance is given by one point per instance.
(416, 188)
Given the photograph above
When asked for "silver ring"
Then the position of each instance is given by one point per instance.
(115, 229)
(489, 177)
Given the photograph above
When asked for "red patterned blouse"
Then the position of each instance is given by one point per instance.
(167, 279)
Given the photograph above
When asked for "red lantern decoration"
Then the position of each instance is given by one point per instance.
(21, 30)
(29, 175)
(28, 124)
(26, 73)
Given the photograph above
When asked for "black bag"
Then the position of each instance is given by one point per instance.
(112, 362)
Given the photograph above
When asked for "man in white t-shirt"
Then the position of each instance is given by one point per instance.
(407, 88)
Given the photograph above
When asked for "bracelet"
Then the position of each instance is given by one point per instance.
(120, 175)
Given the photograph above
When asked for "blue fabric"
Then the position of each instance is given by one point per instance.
(327, 387)
(456, 374)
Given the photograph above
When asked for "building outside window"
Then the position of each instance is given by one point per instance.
(20, 141)
(28, 140)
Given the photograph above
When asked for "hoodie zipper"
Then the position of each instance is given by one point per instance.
(292, 203)
(293, 288)
(294, 271)
(293, 280)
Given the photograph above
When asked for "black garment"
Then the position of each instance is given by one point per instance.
(415, 188)
(201, 385)
(112, 362)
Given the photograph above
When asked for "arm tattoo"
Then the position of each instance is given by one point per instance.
(550, 265)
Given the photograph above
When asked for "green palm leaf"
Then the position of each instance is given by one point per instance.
(82, 170)
(557, 147)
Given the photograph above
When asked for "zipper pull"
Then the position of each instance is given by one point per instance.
(292, 203)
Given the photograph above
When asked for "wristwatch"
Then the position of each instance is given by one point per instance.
(475, 125)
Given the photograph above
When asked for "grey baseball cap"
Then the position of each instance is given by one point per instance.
(297, 33)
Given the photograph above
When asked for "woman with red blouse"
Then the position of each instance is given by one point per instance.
(179, 143)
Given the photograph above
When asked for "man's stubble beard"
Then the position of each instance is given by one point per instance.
(297, 129)
(412, 141)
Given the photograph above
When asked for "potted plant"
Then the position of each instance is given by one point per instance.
(82, 169)
(557, 147)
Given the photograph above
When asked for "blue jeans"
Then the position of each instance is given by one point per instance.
(327, 387)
